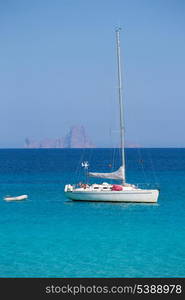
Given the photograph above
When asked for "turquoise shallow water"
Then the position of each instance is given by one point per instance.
(49, 236)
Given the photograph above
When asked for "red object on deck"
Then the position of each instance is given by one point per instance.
(117, 187)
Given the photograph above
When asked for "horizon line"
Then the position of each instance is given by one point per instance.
(142, 147)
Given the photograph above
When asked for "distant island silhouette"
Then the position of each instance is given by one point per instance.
(75, 138)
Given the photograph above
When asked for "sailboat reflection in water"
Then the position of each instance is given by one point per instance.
(106, 192)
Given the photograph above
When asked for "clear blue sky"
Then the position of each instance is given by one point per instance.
(58, 68)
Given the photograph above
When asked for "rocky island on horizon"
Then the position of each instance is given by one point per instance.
(75, 138)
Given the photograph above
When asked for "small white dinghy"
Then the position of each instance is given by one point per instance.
(22, 197)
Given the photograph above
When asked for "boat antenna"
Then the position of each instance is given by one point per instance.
(122, 129)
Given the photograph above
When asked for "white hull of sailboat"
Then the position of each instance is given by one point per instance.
(140, 196)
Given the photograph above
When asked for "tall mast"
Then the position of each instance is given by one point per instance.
(122, 129)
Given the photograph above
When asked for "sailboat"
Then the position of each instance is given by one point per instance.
(106, 192)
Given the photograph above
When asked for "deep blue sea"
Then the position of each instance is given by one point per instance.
(50, 236)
